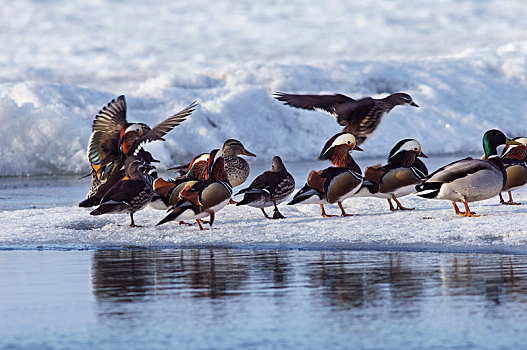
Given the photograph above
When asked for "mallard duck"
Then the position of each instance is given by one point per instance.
(199, 199)
(129, 195)
(469, 180)
(333, 184)
(359, 117)
(514, 158)
(397, 178)
(269, 189)
(113, 139)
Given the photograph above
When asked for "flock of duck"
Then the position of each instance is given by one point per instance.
(125, 181)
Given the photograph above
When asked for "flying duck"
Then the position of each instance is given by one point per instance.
(336, 183)
(113, 139)
(469, 180)
(199, 199)
(397, 178)
(359, 117)
(130, 195)
(269, 189)
(514, 159)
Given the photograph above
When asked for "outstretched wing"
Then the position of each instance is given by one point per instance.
(332, 104)
(168, 124)
(103, 146)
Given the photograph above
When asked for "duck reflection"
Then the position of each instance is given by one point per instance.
(497, 278)
(132, 275)
(361, 282)
(399, 281)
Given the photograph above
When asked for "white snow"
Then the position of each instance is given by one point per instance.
(463, 62)
(431, 226)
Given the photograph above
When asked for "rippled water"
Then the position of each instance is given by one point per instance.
(265, 299)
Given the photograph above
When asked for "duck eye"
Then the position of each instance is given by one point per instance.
(349, 142)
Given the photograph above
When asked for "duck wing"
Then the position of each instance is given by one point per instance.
(161, 129)
(458, 169)
(331, 104)
(103, 146)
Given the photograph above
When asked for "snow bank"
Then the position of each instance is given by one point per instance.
(464, 64)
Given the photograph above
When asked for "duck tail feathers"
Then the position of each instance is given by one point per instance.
(428, 189)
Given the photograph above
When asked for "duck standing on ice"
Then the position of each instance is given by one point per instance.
(336, 183)
(130, 195)
(269, 189)
(470, 180)
(397, 178)
(199, 199)
(514, 159)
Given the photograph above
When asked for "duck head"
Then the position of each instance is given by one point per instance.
(400, 98)
(278, 166)
(130, 140)
(405, 153)
(338, 148)
(494, 138)
(135, 167)
(232, 148)
(408, 145)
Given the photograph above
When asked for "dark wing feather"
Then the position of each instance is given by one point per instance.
(103, 146)
(327, 103)
(112, 117)
(170, 123)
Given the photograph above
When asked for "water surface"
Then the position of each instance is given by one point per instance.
(261, 299)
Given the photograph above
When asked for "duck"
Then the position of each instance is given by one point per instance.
(130, 195)
(359, 117)
(269, 189)
(336, 183)
(469, 180)
(199, 199)
(397, 178)
(113, 139)
(167, 191)
(236, 167)
(514, 158)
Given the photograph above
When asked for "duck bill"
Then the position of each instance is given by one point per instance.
(247, 153)
(357, 148)
(422, 155)
(414, 104)
(512, 142)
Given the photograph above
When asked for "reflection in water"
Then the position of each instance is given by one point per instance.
(469, 275)
(362, 283)
(340, 280)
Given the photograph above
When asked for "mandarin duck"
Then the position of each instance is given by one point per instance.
(397, 178)
(514, 159)
(113, 139)
(130, 195)
(469, 180)
(269, 189)
(359, 117)
(199, 199)
(336, 183)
